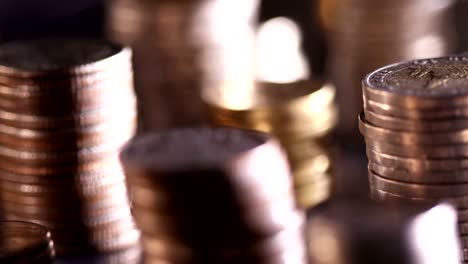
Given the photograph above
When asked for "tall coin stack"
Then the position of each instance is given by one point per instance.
(365, 35)
(213, 195)
(180, 46)
(415, 123)
(301, 116)
(66, 108)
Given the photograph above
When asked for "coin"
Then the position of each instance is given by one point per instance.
(399, 124)
(427, 83)
(417, 190)
(409, 138)
(449, 151)
(425, 177)
(24, 242)
(417, 165)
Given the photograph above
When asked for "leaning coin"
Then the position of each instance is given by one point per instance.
(416, 165)
(423, 177)
(418, 190)
(379, 195)
(410, 138)
(421, 115)
(399, 124)
(449, 151)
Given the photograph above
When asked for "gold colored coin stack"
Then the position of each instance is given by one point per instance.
(213, 195)
(415, 125)
(23, 242)
(367, 233)
(66, 108)
(365, 35)
(180, 46)
(301, 116)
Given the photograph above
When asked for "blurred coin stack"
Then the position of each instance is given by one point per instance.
(66, 108)
(24, 242)
(366, 233)
(415, 123)
(180, 46)
(301, 116)
(213, 195)
(365, 35)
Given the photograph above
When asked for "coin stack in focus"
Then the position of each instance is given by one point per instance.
(180, 46)
(24, 242)
(66, 108)
(366, 233)
(302, 116)
(213, 195)
(415, 124)
(365, 35)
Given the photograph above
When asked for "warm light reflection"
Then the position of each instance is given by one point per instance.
(279, 56)
(434, 236)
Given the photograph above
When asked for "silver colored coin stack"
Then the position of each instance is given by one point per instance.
(179, 47)
(415, 125)
(66, 108)
(365, 35)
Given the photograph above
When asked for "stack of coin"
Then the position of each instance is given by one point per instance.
(66, 109)
(415, 124)
(180, 46)
(365, 35)
(366, 233)
(24, 242)
(213, 195)
(301, 116)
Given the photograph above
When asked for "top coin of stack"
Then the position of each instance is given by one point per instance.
(213, 195)
(66, 108)
(415, 123)
(302, 116)
(23, 242)
(366, 233)
(365, 35)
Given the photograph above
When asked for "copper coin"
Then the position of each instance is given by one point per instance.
(104, 113)
(420, 115)
(417, 165)
(448, 151)
(68, 139)
(418, 190)
(424, 177)
(410, 138)
(399, 124)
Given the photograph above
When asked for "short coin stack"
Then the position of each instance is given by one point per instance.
(66, 108)
(367, 233)
(415, 124)
(302, 116)
(180, 46)
(23, 242)
(213, 195)
(366, 34)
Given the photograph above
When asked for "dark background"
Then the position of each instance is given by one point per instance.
(21, 19)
